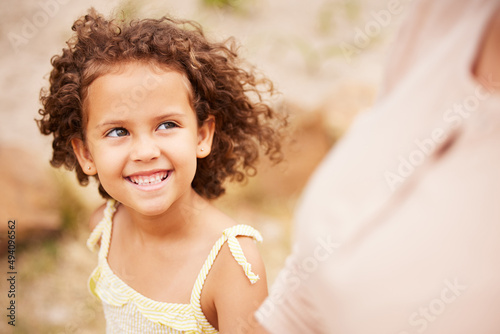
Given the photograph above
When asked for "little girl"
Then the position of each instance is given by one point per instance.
(161, 117)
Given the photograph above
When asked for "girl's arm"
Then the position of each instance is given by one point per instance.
(230, 298)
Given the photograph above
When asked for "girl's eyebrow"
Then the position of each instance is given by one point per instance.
(106, 124)
(169, 115)
(121, 122)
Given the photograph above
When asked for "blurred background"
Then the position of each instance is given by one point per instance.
(326, 58)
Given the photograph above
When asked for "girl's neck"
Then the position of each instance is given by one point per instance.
(174, 224)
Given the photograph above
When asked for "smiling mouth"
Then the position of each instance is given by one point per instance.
(148, 180)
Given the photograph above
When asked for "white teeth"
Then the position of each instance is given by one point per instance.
(149, 180)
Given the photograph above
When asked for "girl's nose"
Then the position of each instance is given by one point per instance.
(145, 148)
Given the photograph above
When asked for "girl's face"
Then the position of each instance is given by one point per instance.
(142, 137)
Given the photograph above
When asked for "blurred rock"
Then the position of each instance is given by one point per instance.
(306, 143)
(29, 195)
(310, 136)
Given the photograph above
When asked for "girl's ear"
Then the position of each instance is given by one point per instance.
(84, 157)
(205, 137)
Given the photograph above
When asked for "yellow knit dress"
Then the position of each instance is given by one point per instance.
(127, 311)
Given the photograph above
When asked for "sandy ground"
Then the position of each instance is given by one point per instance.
(296, 43)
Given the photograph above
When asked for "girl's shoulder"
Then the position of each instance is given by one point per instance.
(220, 226)
(96, 216)
(96, 226)
(211, 220)
(238, 265)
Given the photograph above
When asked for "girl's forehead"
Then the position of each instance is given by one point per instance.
(151, 67)
(150, 71)
(138, 82)
(137, 79)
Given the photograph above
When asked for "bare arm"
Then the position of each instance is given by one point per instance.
(235, 298)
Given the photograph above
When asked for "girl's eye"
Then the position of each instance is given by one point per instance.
(167, 125)
(118, 132)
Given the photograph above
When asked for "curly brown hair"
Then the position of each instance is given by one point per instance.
(244, 122)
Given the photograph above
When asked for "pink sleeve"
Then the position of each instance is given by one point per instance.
(288, 308)
(426, 28)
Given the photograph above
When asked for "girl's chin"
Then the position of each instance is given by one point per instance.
(148, 208)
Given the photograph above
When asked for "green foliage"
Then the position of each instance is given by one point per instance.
(332, 12)
(222, 3)
(238, 6)
(127, 9)
(40, 257)
(71, 208)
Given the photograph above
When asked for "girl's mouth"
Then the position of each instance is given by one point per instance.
(149, 180)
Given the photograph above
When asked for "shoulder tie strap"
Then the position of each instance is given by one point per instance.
(237, 252)
(228, 235)
(102, 231)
